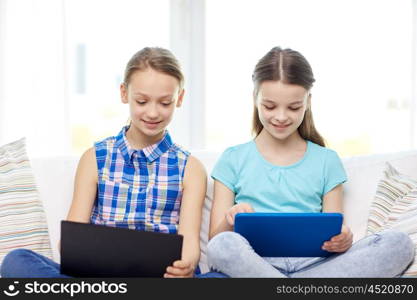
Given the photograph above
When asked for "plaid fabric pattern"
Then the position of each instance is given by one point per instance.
(139, 189)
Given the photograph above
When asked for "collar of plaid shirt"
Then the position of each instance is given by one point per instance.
(151, 153)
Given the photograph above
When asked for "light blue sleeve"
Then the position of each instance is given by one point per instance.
(334, 173)
(224, 170)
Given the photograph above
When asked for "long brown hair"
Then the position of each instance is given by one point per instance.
(157, 58)
(290, 67)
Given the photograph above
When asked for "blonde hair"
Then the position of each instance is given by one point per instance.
(290, 67)
(157, 58)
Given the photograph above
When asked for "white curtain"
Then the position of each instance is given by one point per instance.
(32, 79)
(61, 66)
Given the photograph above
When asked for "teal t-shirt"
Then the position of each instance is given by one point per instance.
(299, 187)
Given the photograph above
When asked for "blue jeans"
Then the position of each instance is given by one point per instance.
(212, 274)
(24, 263)
(385, 254)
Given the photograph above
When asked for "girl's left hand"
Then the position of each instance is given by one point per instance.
(180, 269)
(341, 242)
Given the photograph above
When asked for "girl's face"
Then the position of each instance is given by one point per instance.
(281, 108)
(152, 97)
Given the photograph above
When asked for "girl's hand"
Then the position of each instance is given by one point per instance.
(235, 209)
(180, 269)
(341, 242)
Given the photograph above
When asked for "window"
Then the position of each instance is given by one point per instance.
(63, 61)
(62, 64)
(360, 52)
(98, 51)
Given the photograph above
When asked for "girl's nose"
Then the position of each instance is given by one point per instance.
(152, 112)
(281, 116)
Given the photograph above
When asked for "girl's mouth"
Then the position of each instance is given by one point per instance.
(280, 126)
(149, 124)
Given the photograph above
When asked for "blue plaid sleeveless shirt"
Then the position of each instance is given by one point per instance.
(139, 189)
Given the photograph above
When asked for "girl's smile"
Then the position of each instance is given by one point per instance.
(280, 127)
(151, 124)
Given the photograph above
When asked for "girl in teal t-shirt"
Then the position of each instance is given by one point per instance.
(287, 168)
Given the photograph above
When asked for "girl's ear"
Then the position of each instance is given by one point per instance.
(180, 98)
(123, 92)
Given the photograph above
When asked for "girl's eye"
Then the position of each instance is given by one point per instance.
(140, 102)
(269, 107)
(295, 108)
(166, 104)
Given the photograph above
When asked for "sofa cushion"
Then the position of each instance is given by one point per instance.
(22, 218)
(55, 181)
(390, 192)
(209, 159)
(364, 173)
(395, 207)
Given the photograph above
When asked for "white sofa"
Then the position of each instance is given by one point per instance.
(55, 177)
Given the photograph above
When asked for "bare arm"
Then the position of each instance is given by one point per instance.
(85, 188)
(333, 202)
(223, 211)
(223, 200)
(194, 191)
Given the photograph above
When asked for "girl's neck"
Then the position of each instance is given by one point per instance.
(281, 152)
(138, 140)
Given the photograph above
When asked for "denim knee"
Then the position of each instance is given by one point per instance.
(225, 246)
(399, 243)
(11, 259)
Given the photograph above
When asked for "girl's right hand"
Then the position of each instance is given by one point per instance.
(235, 209)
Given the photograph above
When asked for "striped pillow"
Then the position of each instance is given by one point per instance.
(395, 207)
(22, 218)
(393, 187)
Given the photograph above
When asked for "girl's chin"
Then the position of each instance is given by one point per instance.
(279, 134)
(145, 130)
(152, 132)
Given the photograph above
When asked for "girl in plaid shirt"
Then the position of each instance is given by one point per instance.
(138, 179)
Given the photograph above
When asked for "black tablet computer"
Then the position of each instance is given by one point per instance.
(89, 250)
